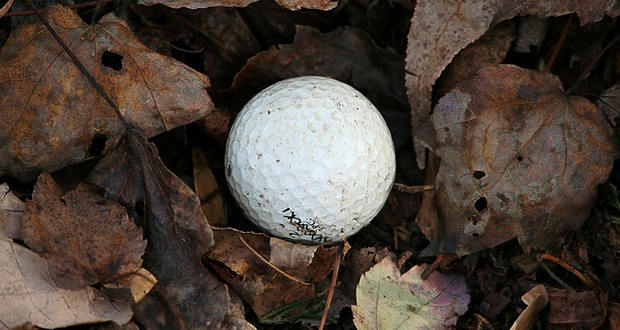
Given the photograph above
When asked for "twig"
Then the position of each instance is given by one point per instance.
(413, 189)
(290, 277)
(546, 256)
(332, 288)
(558, 45)
(484, 321)
(429, 270)
(555, 277)
(75, 6)
(590, 67)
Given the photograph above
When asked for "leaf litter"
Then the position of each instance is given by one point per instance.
(284, 282)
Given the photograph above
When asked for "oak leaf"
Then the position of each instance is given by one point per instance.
(53, 117)
(519, 158)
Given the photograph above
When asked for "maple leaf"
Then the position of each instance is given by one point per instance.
(518, 158)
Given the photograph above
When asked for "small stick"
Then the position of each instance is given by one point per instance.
(546, 256)
(427, 272)
(559, 44)
(413, 189)
(332, 288)
(74, 6)
(290, 277)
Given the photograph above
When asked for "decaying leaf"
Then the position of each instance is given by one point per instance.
(86, 238)
(440, 29)
(490, 49)
(374, 71)
(196, 4)
(575, 310)
(29, 294)
(11, 211)
(177, 231)
(139, 283)
(211, 200)
(518, 158)
(388, 300)
(5, 8)
(53, 117)
(258, 282)
(609, 103)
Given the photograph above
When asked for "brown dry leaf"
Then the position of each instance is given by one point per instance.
(259, 283)
(609, 103)
(490, 49)
(139, 283)
(177, 231)
(574, 310)
(440, 29)
(196, 4)
(11, 211)
(31, 295)
(207, 190)
(86, 238)
(375, 71)
(518, 158)
(52, 115)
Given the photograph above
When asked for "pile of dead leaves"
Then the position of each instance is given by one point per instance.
(113, 202)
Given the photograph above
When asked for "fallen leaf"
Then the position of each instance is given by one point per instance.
(440, 29)
(374, 71)
(30, 295)
(576, 310)
(53, 117)
(207, 190)
(258, 282)
(86, 238)
(489, 50)
(177, 231)
(613, 311)
(609, 103)
(388, 300)
(139, 283)
(518, 158)
(196, 4)
(11, 211)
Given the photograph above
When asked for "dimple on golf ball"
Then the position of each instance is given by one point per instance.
(310, 159)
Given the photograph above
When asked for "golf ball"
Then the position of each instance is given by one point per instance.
(310, 159)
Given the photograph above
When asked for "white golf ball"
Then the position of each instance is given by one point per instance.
(310, 159)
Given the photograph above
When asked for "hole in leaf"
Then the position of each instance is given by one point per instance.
(480, 204)
(475, 234)
(97, 145)
(479, 174)
(112, 60)
(519, 158)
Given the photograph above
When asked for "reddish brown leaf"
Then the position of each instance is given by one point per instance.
(175, 227)
(375, 71)
(575, 310)
(205, 185)
(86, 238)
(518, 158)
(440, 29)
(52, 115)
(264, 287)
